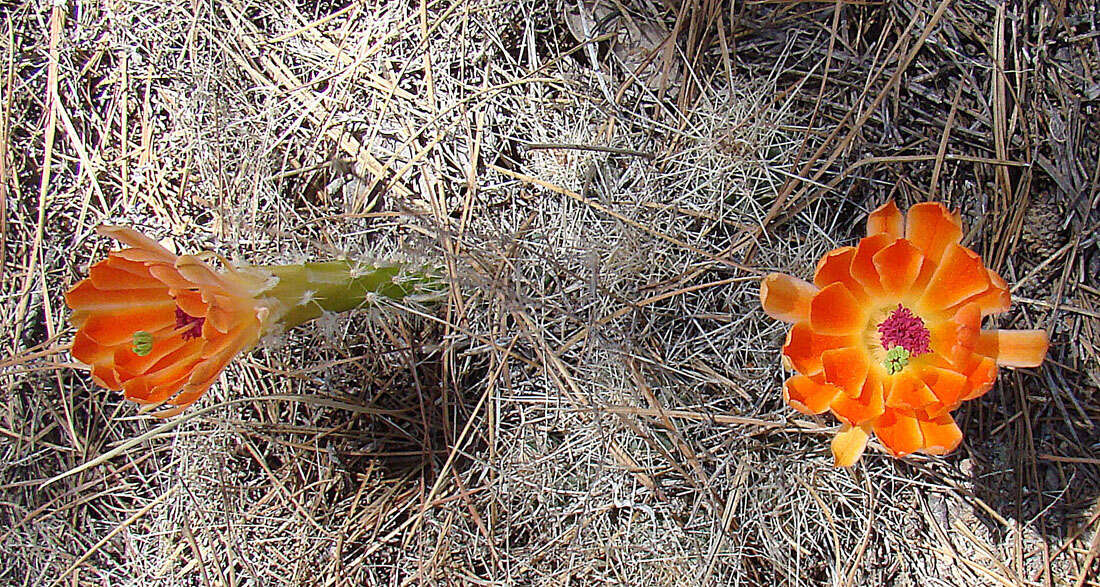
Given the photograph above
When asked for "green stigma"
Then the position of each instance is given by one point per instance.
(143, 343)
(896, 360)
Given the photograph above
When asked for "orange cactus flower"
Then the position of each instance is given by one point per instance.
(888, 336)
(162, 327)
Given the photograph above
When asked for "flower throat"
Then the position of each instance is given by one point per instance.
(192, 325)
(904, 336)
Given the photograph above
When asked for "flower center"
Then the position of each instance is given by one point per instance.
(191, 323)
(903, 335)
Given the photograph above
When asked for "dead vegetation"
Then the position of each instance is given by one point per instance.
(598, 401)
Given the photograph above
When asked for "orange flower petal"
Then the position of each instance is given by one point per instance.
(162, 347)
(221, 301)
(804, 347)
(980, 376)
(848, 445)
(959, 276)
(79, 317)
(171, 278)
(85, 296)
(906, 391)
(110, 329)
(215, 358)
(947, 385)
(114, 273)
(138, 241)
(968, 324)
(1014, 348)
(926, 270)
(807, 395)
(786, 298)
(191, 303)
(140, 256)
(207, 373)
(220, 321)
(139, 391)
(189, 354)
(160, 385)
(846, 368)
(138, 269)
(994, 300)
(899, 432)
(836, 267)
(941, 435)
(863, 267)
(196, 271)
(225, 347)
(868, 406)
(898, 265)
(88, 351)
(954, 339)
(931, 228)
(106, 376)
(834, 311)
(886, 219)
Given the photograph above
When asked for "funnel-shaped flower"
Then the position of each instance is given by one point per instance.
(162, 327)
(888, 336)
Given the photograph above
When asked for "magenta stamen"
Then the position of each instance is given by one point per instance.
(906, 330)
(192, 323)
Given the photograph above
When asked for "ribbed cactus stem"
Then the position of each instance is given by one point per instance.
(306, 291)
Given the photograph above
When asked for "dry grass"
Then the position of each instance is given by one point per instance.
(598, 401)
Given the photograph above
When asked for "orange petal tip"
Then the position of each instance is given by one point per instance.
(807, 395)
(786, 298)
(848, 445)
(1014, 348)
(886, 219)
